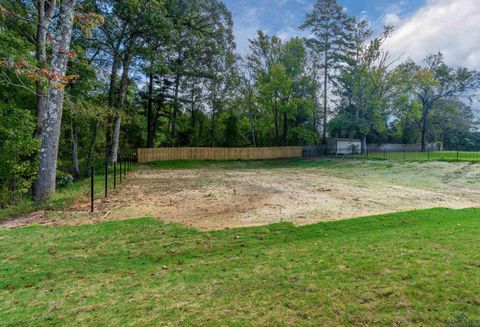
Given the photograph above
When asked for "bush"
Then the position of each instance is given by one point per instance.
(63, 179)
(18, 153)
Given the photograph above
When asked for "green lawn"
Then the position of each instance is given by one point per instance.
(248, 164)
(425, 156)
(415, 268)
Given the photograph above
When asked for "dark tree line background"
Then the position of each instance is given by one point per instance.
(81, 79)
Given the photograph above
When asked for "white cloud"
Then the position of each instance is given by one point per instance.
(245, 27)
(391, 19)
(287, 33)
(449, 26)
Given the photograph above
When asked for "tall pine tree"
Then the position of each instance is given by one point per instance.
(332, 36)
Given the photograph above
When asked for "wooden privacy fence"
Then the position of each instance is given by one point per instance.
(158, 154)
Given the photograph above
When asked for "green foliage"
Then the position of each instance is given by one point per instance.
(203, 94)
(18, 153)
(303, 136)
(285, 93)
(232, 134)
(63, 179)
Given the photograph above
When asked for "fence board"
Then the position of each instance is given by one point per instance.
(197, 153)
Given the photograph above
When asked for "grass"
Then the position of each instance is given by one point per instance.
(245, 164)
(425, 156)
(415, 268)
(64, 196)
(323, 162)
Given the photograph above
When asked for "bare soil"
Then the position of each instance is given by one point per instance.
(210, 199)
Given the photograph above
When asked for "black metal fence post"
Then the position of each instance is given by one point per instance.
(92, 188)
(120, 163)
(106, 177)
(114, 175)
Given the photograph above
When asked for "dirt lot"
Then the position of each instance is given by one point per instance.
(221, 197)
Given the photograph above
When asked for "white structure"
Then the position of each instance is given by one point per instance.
(338, 146)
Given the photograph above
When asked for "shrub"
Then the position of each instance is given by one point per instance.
(63, 179)
(18, 153)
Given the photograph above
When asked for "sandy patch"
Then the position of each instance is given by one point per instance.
(215, 199)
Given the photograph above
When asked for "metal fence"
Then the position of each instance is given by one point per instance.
(397, 152)
(112, 176)
(428, 155)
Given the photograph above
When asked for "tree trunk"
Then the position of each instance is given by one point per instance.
(173, 134)
(91, 149)
(121, 104)
(285, 129)
(45, 184)
(113, 81)
(75, 163)
(364, 144)
(192, 141)
(425, 115)
(150, 119)
(424, 138)
(160, 105)
(276, 126)
(275, 122)
(325, 99)
(111, 104)
(252, 124)
(45, 12)
(116, 138)
(212, 131)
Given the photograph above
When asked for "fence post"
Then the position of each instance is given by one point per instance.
(92, 187)
(404, 154)
(114, 175)
(457, 153)
(106, 177)
(384, 153)
(120, 163)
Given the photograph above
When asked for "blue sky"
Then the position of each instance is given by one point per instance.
(422, 26)
(284, 16)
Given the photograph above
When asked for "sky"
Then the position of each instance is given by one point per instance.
(422, 27)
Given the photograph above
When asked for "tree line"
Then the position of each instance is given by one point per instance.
(82, 80)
